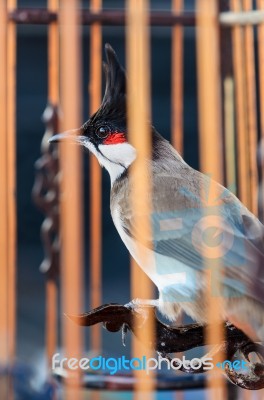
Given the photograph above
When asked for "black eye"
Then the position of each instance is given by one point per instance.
(102, 132)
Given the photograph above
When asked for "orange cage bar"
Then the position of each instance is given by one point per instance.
(177, 81)
(71, 188)
(211, 161)
(96, 178)
(53, 99)
(138, 68)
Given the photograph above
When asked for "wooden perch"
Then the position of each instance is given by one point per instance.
(169, 339)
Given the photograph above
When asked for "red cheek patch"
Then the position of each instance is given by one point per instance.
(115, 138)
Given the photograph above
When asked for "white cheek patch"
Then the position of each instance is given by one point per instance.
(122, 153)
(113, 157)
(116, 158)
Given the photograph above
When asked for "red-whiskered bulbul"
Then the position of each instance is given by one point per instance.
(186, 226)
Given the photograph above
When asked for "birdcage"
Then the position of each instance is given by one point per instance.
(218, 45)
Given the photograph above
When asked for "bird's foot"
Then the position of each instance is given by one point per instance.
(124, 333)
(140, 307)
(141, 303)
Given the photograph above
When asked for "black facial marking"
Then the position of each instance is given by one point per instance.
(97, 130)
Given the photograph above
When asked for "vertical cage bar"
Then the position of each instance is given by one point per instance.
(260, 30)
(241, 110)
(53, 55)
(251, 109)
(228, 109)
(53, 98)
(4, 322)
(95, 177)
(71, 187)
(11, 177)
(7, 192)
(209, 88)
(208, 63)
(177, 80)
(4, 351)
(138, 61)
(230, 145)
(51, 332)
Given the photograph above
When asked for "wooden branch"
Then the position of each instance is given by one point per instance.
(170, 339)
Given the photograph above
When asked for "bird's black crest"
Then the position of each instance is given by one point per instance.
(115, 76)
(114, 101)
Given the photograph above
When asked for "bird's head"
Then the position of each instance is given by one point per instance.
(105, 133)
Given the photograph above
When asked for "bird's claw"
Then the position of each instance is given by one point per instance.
(124, 333)
(140, 308)
(133, 304)
(141, 303)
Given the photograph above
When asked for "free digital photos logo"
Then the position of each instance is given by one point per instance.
(115, 365)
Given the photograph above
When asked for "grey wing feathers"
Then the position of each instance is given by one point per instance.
(184, 226)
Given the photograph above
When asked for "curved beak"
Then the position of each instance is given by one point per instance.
(73, 136)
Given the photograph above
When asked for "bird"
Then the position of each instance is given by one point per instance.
(186, 226)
